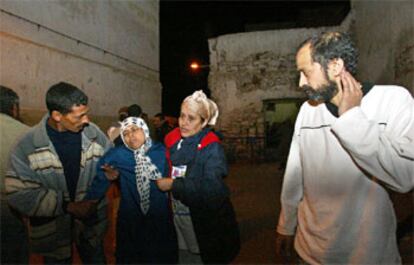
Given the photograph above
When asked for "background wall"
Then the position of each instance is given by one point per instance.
(108, 48)
(248, 68)
(384, 32)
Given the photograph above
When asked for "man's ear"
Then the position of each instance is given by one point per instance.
(336, 66)
(15, 111)
(56, 115)
(204, 123)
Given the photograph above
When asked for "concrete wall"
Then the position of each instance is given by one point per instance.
(384, 33)
(247, 68)
(108, 48)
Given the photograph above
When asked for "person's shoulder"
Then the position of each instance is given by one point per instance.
(388, 94)
(12, 124)
(93, 127)
(172, 137)
(212, 153)
(389, 90)
(209, 138)
(157, 147)
(93, 131)
(157, 153)
(25, 142)
(116, 152)
(12, 127)
(113, 132)
(211, 147)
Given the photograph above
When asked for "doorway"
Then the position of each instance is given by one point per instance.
(279, 120)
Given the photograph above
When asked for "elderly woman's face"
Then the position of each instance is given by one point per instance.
(134, 137)
(190, 121)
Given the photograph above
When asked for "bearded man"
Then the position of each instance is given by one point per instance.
(350, 140)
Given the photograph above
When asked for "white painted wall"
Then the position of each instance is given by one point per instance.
(109, 48)
(247, 68)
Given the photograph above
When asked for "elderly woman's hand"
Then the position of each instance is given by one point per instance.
(111, 173)
(164, 184)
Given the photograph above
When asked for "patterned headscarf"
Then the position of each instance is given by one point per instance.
(145, 170)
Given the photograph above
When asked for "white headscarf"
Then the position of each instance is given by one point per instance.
(210, 107)
(145, 170)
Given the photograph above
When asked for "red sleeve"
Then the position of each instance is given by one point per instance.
(170, 139)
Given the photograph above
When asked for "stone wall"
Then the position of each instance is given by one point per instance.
(384, 33)
(249, 68)
(110, 49)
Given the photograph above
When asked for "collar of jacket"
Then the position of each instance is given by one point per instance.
(41, 139)
(366, 87)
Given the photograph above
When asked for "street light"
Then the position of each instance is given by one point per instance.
(195, 66)
(199, 75)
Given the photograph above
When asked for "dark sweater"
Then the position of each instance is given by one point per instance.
(68, 146)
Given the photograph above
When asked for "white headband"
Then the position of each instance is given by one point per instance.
(211, 107)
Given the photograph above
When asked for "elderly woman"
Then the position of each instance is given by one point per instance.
(203, 214)
(145, 231)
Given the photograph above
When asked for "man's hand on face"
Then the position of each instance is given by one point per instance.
(82, 209)
(351, 93)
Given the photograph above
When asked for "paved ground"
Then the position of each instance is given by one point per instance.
(256, 192)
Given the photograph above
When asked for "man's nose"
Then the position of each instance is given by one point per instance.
(85, 119)
(302, 80)
(183, 121)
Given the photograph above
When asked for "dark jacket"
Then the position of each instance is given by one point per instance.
(205, 193)
(140, 238)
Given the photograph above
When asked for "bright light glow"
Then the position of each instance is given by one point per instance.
(194, 66)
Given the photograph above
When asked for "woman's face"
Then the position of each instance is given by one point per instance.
(190, 121)
(134, 137)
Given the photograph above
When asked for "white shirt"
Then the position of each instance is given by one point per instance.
(331, 196)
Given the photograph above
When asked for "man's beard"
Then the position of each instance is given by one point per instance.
(323, 93)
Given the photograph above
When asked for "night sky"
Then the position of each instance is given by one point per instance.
(185, 27)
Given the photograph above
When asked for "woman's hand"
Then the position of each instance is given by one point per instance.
(82, 209)
(164, 184)
(111, 173)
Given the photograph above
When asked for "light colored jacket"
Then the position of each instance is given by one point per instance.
(36, 187)
(10, 130)
(332, 198)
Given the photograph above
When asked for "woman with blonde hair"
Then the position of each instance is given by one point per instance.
(203, 213)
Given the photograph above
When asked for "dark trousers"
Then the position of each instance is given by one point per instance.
(14, 241)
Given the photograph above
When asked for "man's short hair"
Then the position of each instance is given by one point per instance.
(63, 96)
(8, 99)
(327, 46)
(122, 113)
(160, 116)
(134, 110)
